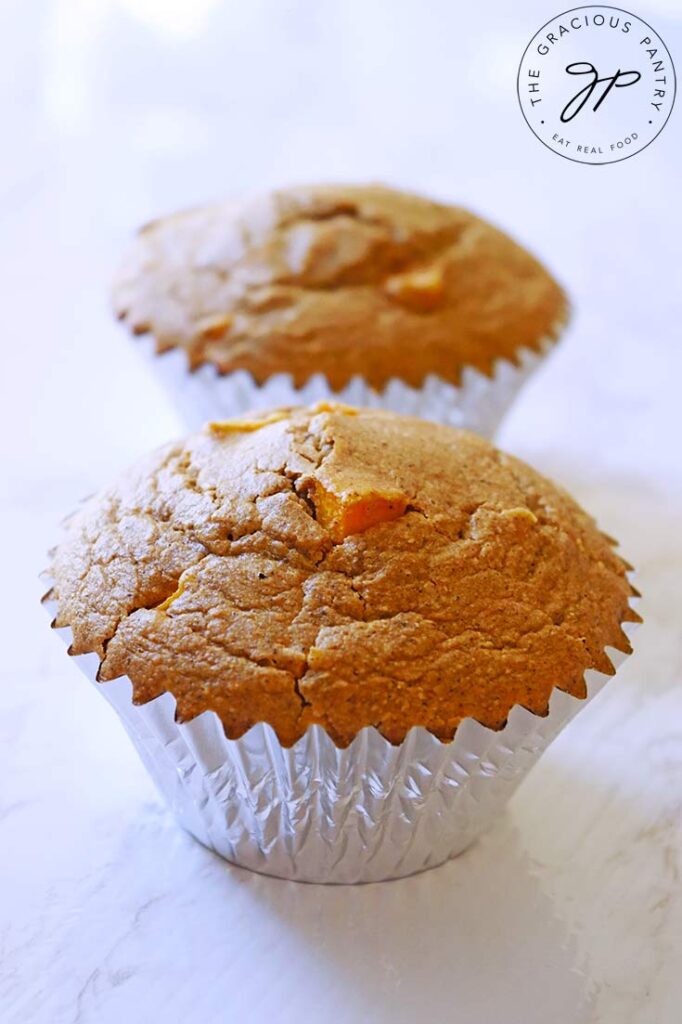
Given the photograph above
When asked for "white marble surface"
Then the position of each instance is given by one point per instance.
(570, 911)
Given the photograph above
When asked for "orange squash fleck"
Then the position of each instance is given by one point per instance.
(336, 407)
(247, 424)
(165, 605)
(241, 425)
(213, 328)
(348, 514)
(420, 290)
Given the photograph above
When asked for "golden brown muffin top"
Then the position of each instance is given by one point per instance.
(342, 567)
(342, 280)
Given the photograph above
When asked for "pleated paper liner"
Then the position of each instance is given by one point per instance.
(478, 403)
(317, 813)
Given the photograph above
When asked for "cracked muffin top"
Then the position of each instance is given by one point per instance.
(341, 280)
(341, 567)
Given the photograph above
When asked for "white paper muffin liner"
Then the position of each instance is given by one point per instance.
(317, 813)
(478, 403)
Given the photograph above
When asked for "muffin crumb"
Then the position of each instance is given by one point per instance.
(343, 570)
(342, 280)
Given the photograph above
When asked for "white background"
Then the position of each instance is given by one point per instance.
(113, 112)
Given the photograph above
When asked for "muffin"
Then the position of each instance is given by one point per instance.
(339, 636)
(364, 293)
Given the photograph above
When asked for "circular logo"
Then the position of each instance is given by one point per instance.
(596, 84)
